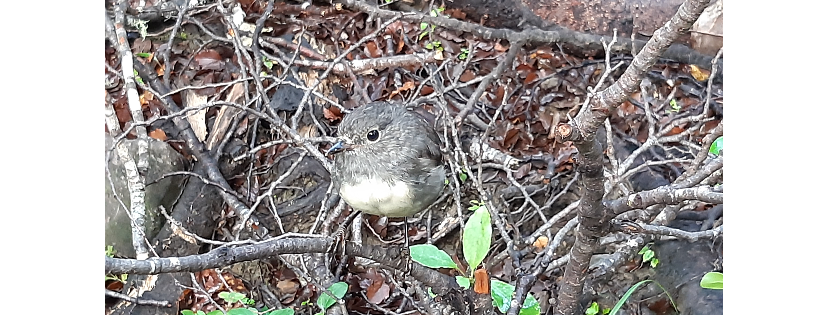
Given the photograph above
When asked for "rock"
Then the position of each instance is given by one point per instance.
(162, 159)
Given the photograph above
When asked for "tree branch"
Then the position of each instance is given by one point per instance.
(664, 195)
(592, 217)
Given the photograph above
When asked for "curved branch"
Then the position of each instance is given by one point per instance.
(224, 256)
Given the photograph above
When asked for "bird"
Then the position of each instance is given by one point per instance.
(387, 161)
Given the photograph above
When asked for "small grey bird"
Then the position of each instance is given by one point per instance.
(388, 161)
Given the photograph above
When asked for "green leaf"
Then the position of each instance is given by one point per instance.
(338, 289)
(502, 293)
(607, 310)
(422, 36)
(422, 26)
(531, 306)
(475, 205)
(674, 105)
(643, 250)
(712, 280)
(430, 256)
(627, 295)
(137, 77)
(654, 262)
(428, 45)
(477, 237)
(463, 54)
(231, 297)
(716, 146)
(286, 311)
(592, 309)
(110, 251)
(214, 312)
(241, 311)
(464, 282)
(648, 255)
(430, 292)
(462, 177)
(187, 312)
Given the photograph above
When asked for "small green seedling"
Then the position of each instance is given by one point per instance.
(595, 309)
(325, 301)
(137, 77)
(648, 255)
(423, 26)
(476, 241)
(463, 54)
(110, 252)
(674, 105)
(434, 45)
(462, 176)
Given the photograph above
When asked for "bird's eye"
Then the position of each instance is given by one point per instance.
(373, 135)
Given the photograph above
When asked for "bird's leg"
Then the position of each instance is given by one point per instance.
(406, 249)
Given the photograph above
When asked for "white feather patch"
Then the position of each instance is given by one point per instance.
(377, 197)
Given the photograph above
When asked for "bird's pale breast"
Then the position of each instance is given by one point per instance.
(374, 196)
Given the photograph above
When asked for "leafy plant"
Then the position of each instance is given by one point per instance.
(110, 252)
(325, 301)
(423, 26)
(502, 293)
(137, 77)
(141, 26)
(268, 64)
(434, 45)
(233, 297)
(463, 54)
(674, 105)
(121, 278)
(477, 237)
(430, 256)
(476, 241)
(717, 147)
(462, 176)
(648, 255)
(234, 311)
(594, 309)
(712, 280)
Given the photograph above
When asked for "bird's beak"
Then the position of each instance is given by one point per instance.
(338, 147)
